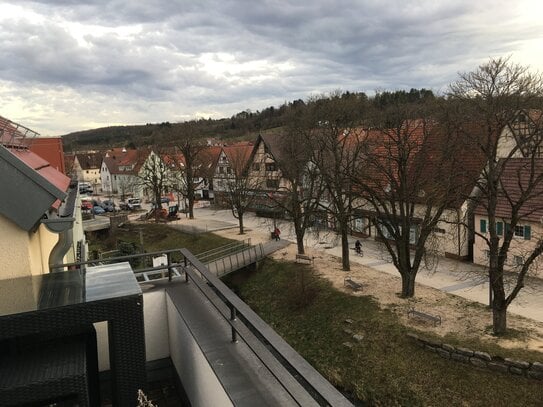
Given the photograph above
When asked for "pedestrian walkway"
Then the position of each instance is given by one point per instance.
(455, 277)
(243, 258)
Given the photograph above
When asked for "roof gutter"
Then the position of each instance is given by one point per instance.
(63, 226)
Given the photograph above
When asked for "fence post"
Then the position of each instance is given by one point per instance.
(169, 257)
(233, 318)
(186, 265)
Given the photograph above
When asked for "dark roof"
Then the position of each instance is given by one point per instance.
(89, 161)
(29, 186)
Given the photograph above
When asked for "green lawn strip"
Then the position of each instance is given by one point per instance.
(158, 237)
(384, 368)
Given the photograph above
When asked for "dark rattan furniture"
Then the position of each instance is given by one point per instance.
(50, 372)
(60, 302)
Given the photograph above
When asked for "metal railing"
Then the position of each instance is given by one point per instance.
(299, 379)
(236, 261)
(222, 251)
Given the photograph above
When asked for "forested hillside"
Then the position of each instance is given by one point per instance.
(242, 126)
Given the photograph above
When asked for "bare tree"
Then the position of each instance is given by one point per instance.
(126, 185)
(239, 194)
(413, 175)
(189, 143)
(299, 197)
(494, 106)
(154, 176)
(336, 152)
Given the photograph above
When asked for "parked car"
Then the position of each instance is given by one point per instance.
(98, 210)
(108, 206)
(85, 188)
(86, 205)
(133, 203)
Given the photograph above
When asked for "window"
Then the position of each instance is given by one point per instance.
(487, 254)
(519, 261)
(499, 228)
(272, 183)
(359, 224)
(523, 231)
(482, 226)
(439, 230)
(256, 167)
(271, 167)
(413, 235)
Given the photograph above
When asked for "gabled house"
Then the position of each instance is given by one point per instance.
(86, 168)
(528, 230)
(119, 172)
(427, 176)
(40, 220)
(231, 158)
(206, 168)
(264, 162)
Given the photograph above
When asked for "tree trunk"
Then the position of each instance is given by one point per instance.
(240, 219)
(408, 285)
(345, 249)
(299, 237)
(499, 318)
(191, 205)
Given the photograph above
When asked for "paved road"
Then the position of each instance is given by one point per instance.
(463, 279)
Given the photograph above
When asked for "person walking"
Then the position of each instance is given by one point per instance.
(276, 233)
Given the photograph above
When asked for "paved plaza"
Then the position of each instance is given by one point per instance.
(460, 278)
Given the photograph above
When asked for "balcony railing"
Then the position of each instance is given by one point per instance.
(304, 384)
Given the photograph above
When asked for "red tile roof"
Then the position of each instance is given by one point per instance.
(238, 154)
(517, 176)
(17, 139)
(49, 148)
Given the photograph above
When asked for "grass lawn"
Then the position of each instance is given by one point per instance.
(156, 237)
(386, 368)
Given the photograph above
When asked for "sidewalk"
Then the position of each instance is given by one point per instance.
(463, 279)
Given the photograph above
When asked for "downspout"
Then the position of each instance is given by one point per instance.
(64, 228)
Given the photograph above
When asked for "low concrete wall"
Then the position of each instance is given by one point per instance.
(533, 370)
(200, 382)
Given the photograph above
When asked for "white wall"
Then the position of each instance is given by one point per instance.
(200, 383)
(157, 345)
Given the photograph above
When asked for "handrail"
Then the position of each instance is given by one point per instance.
(309, 386)
(216, 252)
(304, 371)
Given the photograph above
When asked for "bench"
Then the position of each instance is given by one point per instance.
(353, 285)
(303, 258)
(435, 319)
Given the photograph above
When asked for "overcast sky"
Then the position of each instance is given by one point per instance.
(68, 65)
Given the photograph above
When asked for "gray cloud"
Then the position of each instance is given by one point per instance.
(126, 62)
